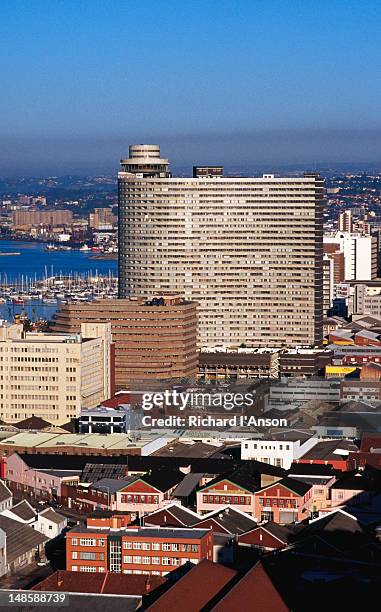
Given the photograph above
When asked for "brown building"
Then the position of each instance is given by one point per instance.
(42, 217)
(102, 218)
(334, 253)
(154, 340)
(241, 364)
(303, 362)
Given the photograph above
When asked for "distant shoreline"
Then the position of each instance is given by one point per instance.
(105, 256)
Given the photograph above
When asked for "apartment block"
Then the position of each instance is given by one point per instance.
(154, 339)
(360, 254)
(248, 250)
(53, 376)
(30, 218)
(141, 550)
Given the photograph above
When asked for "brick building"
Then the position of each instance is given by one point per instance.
(141, 550)
(285, 501)
(154, 339)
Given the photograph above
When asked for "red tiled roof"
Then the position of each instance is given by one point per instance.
(110, 583)
(194, 590)
(117, 400)
(256, 586)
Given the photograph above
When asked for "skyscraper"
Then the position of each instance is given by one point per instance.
(249, 250)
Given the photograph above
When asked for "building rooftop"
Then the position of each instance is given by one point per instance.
(112, 485)
(20, 538)
(53, 516)
(24, 511)
(194, 590)
(256, 586)
(231, 520)
(5, 493)
(110, 583)
(170, 533)
(329, 450)
(181, 514)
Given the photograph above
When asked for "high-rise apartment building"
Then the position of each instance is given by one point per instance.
(360, 254)
(248, 250)
(345, 221)
(53, 376)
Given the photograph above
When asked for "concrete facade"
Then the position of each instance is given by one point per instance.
(248, 250)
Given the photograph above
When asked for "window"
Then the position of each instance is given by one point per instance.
(145, 560)
(127, 559)
(146, 546)
(87, 542)
(155, 560)
(155, 546)
(166, 546)
(137, 559)
(74, 542)
(87, 556)
(74, 555)
(175, 547)
(127, 545)
(87, 568)
(137, 545)
(166, 561)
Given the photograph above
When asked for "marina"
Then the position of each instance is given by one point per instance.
(28, 285)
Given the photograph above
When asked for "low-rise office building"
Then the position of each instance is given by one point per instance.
(280, 448)
(53, 376)
(143, 550)
(154, 339)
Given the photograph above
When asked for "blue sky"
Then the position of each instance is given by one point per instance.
(281, 81)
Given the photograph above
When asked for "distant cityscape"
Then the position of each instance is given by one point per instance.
(190, 386)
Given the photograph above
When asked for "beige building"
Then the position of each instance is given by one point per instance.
(53, 376)
(248, 250)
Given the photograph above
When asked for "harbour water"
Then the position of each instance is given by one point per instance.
(33, 263)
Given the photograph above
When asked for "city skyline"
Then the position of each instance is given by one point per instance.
(248, 84)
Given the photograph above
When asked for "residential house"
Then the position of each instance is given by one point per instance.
(6, 497)
(23, 544)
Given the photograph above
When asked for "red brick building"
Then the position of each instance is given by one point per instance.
(141, 550)
(286, 501)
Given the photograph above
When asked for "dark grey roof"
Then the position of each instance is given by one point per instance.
(150, 532)
(356, 482)
(93, 472)
(284, 533)
(82, 601)
(5, 493)
(163, 480)
(24, 511)
(189, 483)
(297, 486)
(53, 516)
(231, 520)
(183, 515)
(312, 469)
(20, 538)
(327, 450)
(112, 485)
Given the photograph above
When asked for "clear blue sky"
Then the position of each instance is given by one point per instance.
(251, 81)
